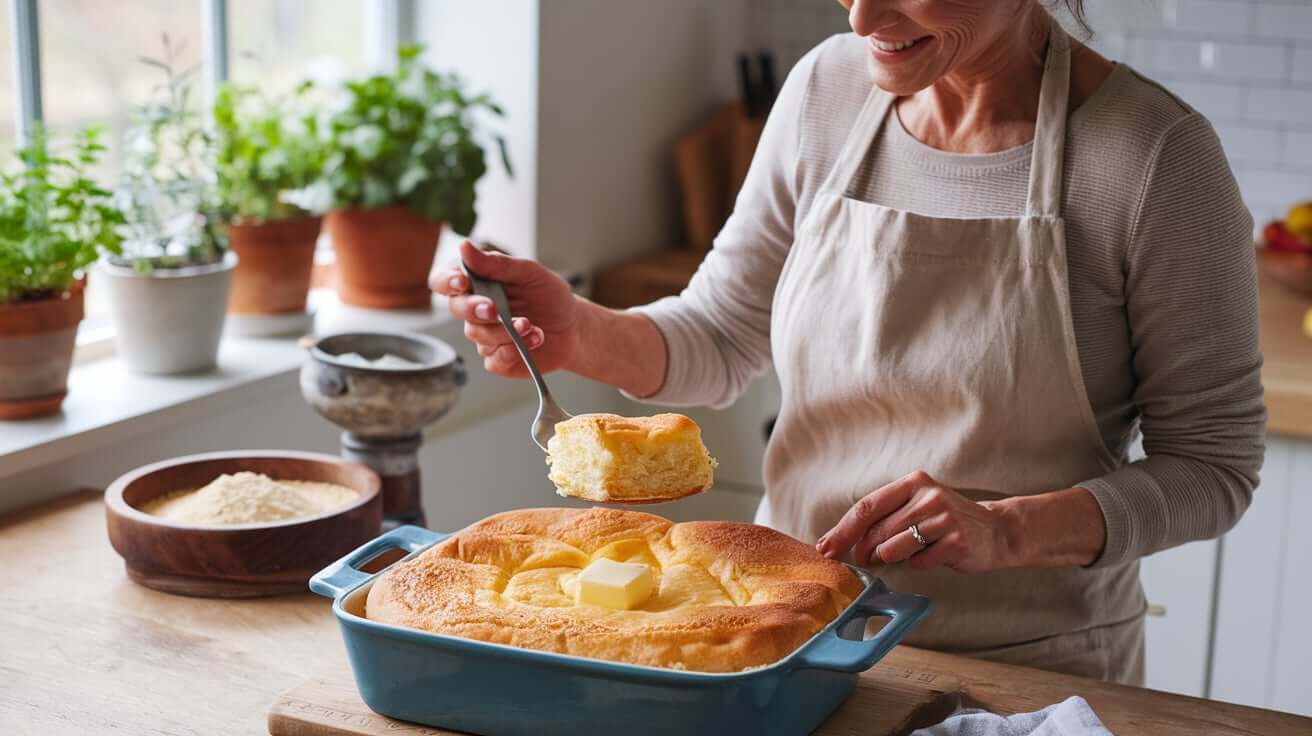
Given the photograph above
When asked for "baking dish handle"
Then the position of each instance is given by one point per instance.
(831, 651)
(344, 574)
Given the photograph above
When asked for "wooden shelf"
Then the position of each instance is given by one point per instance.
(646, 279)
(1287, 372)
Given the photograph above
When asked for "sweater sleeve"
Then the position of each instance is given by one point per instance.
(1191, 305)
(717, 331)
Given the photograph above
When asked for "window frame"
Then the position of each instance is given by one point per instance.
(385, 24)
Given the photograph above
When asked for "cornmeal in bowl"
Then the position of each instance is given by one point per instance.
(609, 458)
(708, 596)
(250, 498)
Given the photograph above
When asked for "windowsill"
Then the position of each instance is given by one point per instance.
(107, 402)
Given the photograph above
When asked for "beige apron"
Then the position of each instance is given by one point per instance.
(909, 342)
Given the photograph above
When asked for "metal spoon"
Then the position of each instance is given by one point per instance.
(549, 412)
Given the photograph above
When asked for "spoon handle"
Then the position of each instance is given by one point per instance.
(496, 292)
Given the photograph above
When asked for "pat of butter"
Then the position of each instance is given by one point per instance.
(618, 585)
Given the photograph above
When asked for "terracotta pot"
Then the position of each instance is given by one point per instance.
(383, 256)
(36, 352)
(274, 261)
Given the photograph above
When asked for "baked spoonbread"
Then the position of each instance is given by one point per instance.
(613, 459)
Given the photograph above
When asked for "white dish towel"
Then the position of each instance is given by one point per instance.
(1070, 717)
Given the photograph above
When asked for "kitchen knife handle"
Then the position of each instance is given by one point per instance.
(344, 574)
(746, 86)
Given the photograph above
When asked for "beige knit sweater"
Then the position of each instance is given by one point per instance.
(1163, 285)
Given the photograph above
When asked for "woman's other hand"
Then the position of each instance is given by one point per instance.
(546, 311)
(964, 535)
(1062, 528)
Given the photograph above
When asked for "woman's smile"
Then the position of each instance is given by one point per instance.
(890, 51)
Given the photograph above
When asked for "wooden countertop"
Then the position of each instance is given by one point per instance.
(1287, 372)
(87, 651)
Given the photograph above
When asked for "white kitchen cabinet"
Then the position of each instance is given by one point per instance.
(1179, 586)
(1263, 645)
(1291, 682)
(1250, 587)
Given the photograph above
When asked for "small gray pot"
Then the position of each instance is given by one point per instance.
(169, 320)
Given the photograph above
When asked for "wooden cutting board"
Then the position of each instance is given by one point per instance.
(908, 689)
(886, 702)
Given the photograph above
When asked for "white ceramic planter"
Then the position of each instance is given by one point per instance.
(169, 320)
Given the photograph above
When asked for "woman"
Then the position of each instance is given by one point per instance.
(982, 258)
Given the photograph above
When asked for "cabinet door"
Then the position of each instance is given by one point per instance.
(1251, 581)
(1179, 585)
(1291, 681)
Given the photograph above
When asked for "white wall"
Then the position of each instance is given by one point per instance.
(620, 81)
(1245, 64)
(596, 92)
(494, 47)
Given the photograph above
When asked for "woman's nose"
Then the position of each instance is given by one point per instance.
(869, 16)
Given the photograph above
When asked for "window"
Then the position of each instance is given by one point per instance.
(91, 73)
(90, 77)
(275, 42)
(93, 77)
(8, 95)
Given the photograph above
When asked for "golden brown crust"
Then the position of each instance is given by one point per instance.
(729, 595)
(651, 428)
(607, 458)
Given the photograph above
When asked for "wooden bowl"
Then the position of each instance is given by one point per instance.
(237, 560)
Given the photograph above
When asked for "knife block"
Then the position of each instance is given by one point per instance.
(711, 163)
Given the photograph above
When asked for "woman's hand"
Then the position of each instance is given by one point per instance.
(962, 534)
(1055, 529)
(547, 311)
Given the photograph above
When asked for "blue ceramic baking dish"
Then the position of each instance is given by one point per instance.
(500, 690)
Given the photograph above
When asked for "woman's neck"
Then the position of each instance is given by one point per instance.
(988, 103)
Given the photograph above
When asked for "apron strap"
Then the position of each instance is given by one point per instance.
(858, 141)
(1044, 197)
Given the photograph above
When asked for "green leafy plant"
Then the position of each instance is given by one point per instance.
(168, 190)
(264, 146)
(404, 138)
(54, 219)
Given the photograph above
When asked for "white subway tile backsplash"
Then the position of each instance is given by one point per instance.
(1269, 192)
(1301, 68)
(1297, 151)
(1245, 64)
(1214, 101)
(1206, 58)
(1284, 20)
(1122, 17)
(1114, 46)
(1288, 106)
(1221, 17)
(1246, 144)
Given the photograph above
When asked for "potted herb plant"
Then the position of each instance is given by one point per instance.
(54, 220)
(263, 149)
(168, 289)
(400, 159)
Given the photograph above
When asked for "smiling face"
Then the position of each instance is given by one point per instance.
(915, 43)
